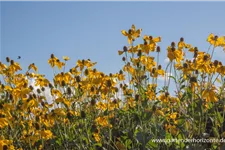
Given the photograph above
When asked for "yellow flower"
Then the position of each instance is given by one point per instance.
(3, 123)
(150, 93)
(46, 134)
(102, 121)
(164, 97)
(32, 66)
(14, 67)
(96, 137)
(66, 58)
(59, 64)
(6, 144)
(2, 66)
(150, 43)
(131, 102)
(83, 63)
(173, 115)
(182, 44)
(171, 128)
(215, 40)
(132, 34)
(55, 92)
(59, 112)
(209, 95)
(159, 112)
(52, 60)
(101, 106)
(186, 68)
(41, 81)
(174, 54)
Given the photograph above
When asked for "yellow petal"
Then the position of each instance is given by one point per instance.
(120, 52)
(157, 39)
(133, 27)
(210, 37)
(124, 33)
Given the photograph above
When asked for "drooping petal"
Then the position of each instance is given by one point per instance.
(124, 33)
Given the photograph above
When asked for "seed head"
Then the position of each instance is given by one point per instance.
(193, 79)
(86, 72)
(63, 83)
(159, 67)
(78, 78)
(139, 53)
(181, 39)
(69, 91)
(158, 49)
(43, 89)
(125, 49)
(52, 56)
(173, 44)
(216, 62)
(108, 83)
(129, 31)
(150, 37)
(215, 37)
(205, 58)
(12, 62)
(7, 59)
(185, 65)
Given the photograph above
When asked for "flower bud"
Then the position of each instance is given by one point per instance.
(63, 83)
(193, 79)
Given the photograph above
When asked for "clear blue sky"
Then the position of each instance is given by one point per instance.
(92, 30)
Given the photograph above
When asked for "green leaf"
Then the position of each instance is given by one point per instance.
(128, 143)
(168, 136)
(182, 86)
(151, 144)
(173, 78)
(220, 118)
(59, 142)
(215, 132)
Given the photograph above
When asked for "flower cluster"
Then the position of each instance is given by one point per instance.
(89, 109)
